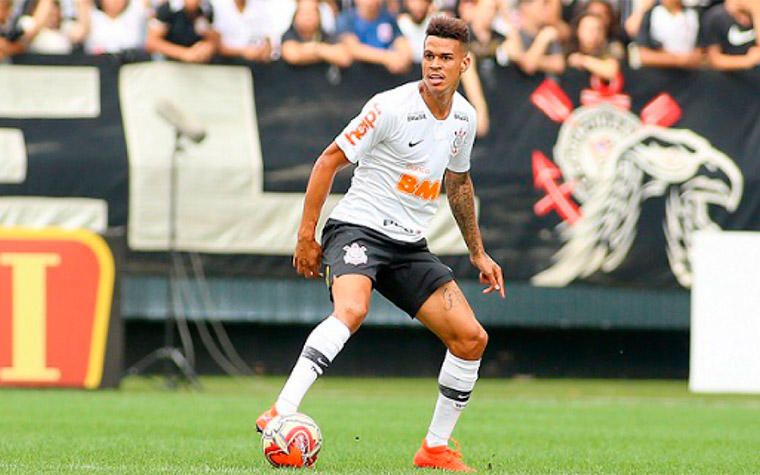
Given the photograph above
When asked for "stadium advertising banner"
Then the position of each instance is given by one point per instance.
(56, 289)
(576, 180)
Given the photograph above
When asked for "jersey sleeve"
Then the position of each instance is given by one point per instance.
(370, 127)
(462, 146)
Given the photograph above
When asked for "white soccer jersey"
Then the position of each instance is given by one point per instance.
(402, 151)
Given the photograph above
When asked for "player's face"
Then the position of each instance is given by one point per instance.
(443, 62)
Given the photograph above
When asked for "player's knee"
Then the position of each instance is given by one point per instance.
(352, 314)
(471, 345)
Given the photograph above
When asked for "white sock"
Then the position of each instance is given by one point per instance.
(321, 347)
(455, 383)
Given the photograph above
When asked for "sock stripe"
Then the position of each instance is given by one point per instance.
(317, 357)
(454, 394)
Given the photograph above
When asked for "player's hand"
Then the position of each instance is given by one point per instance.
(307, 258)
(490, 274)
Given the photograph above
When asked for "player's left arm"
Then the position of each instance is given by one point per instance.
(461, 195)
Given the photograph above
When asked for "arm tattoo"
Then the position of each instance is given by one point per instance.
(462, 202)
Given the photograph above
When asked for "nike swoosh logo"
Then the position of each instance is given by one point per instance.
(462, 397)
(738, 37)
(412, 144)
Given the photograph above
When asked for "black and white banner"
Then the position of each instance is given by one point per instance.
(576, 180)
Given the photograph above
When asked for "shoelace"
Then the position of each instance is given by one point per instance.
(455, 452)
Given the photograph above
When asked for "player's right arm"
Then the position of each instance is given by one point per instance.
(308, 254)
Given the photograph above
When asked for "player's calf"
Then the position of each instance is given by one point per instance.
(321, 347)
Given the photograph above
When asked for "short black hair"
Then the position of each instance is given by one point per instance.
(449, 27)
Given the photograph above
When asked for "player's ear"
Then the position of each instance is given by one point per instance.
(465, 63)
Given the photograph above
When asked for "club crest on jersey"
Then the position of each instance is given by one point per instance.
(459, 137)
(355, 254)
(367, 123)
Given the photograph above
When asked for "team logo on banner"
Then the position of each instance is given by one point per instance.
(55, 305)
(608, 163)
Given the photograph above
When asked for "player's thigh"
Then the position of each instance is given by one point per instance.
(352, 258)
(448, 314)
(351, 294)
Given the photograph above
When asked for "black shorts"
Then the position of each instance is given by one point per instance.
(405, 273)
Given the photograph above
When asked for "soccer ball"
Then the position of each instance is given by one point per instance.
(291, 440)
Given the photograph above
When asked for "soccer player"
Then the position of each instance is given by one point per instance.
(405, 142)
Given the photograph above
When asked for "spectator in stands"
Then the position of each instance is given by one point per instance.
(185, 34)
(605, 10)
(638, 9)
(49, 32)
(307, 43)
(489, 21)
(590, 49)
(372, 36)
(245, 29)
(116, 26)
(499, 16)
(282, 15)
(486, 32)
(11, 33)
(413, 23)
(667, 37)
(534, 47)
(730, 35)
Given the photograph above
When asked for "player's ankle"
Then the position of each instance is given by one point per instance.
(284, 407)
(433, 442)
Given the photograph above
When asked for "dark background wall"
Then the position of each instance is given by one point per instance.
(394, 351)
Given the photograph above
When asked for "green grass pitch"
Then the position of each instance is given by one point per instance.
(375, 426)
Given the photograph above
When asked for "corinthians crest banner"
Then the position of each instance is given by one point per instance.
(577, 181)
(610, 162)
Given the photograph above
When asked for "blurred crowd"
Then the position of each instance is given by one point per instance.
(536, 36)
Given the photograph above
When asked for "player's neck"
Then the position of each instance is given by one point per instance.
(438, 103)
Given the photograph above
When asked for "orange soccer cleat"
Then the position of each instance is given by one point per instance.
(441, 457)
(264, 418)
